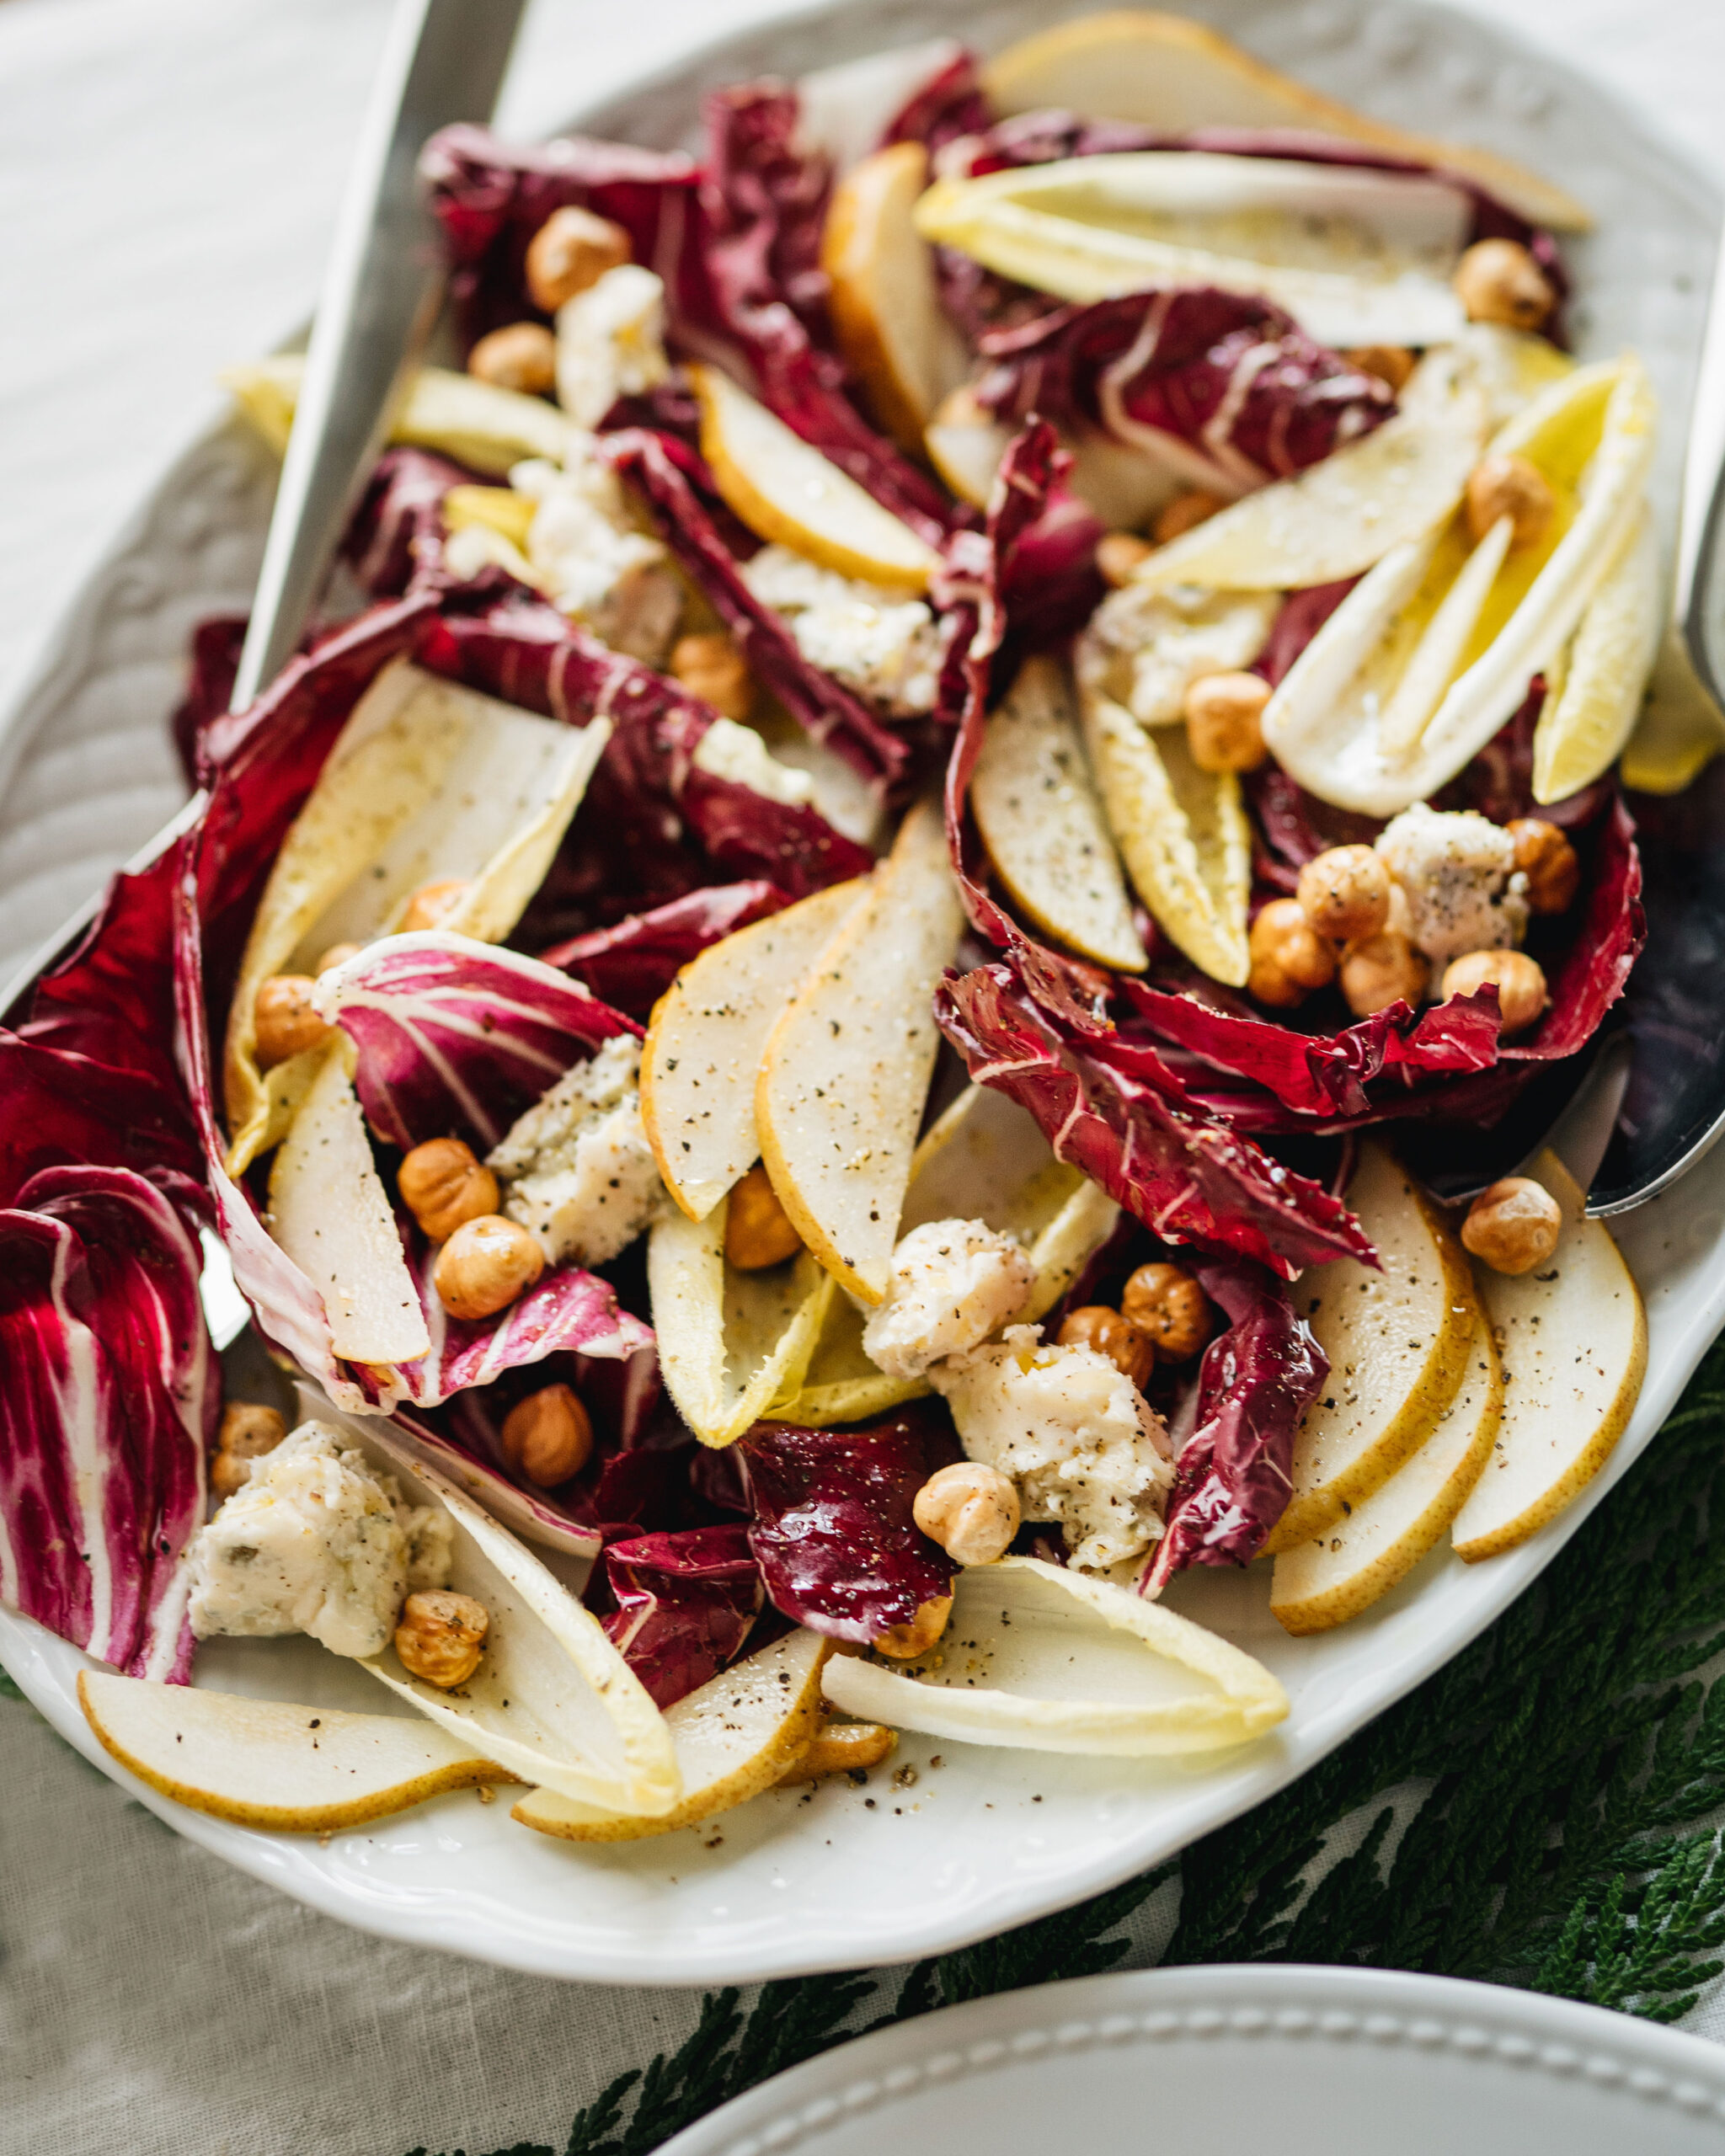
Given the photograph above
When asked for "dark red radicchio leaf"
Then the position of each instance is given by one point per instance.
(1234, 1473)
(455, 1038)
(630, 964)
(217, 645)
(397, 532)
(1115, 1108)
(948, 106)
(60, 1109)
(685, 1604)
(832, 1526)
(110, 1403)
(1228, 391)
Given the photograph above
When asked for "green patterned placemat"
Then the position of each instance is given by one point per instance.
(1537, 1814)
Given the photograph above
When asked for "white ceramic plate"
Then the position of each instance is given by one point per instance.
(1309, 2062)
(850, 1877)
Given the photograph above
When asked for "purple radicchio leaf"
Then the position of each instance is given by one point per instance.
(111, 1397)
(948, 106)
(396, 533)
(457, 1038)
(831, 1524)
(630, 964)
(1234, 1473)
(684, 1605)
(1116, 1109)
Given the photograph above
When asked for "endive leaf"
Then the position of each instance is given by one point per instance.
(480, 425)
(1582, 732)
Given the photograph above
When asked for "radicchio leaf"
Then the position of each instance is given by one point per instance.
(1116, 1109)
(831, 1524)
(1228, 391)
(630, 964)
(397, 532)
(455, 1038)
(949, 105)
(685, 1604)
(58, 1108)
(1234, 1472)
(110, 1401)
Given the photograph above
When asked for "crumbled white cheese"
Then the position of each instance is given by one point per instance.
(1458, 872)
(611, 342)
(879, 643)
(315, 1541)
(728, 751)
(1147, 647)
(576, 1169)
(1073, 1433)
(953, 1283)
(591, 562)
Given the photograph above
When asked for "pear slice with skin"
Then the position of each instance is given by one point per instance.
(1573, 1337)
(886, 313)
(846, 1068)
(705, 1038)
(788, 492)
(1037, 810)
(1175, 75)
(734, 1737)
(1183, 832)
(264, 1763)
(1323, 1584)
(1397, 1342)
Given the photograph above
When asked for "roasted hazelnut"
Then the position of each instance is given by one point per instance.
(1514, 1227)
(1224, 721)
(1185, 513)
(842, 1747)
(1345, 892)
(758, 1230)
(903, 1641)
(971, 1510)
(1168, 1305)
(1382, 970)
(548, 1435)
(1521, 984)
(338, 954)
(571, 251)
(1391, 364)
(443, 1183)
(1498, 281)
(485, 1264)
(523, 356)
(432, 904)
(711, 667)
(441, 1635)
(1096, 1325)
(285, 1020)
(1546, 857)
(1283, 939)
(248, 1432)
(1507, 485)
(1118, 554)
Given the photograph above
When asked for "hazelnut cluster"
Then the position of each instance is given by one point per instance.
(1163, 1316)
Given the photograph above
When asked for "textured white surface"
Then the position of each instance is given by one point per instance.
(167, 172)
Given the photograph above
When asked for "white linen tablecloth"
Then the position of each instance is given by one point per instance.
(168, 174)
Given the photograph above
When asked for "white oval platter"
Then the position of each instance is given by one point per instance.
(851, 1877)
(1312, 2061)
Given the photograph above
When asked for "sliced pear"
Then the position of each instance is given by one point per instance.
(1036, 808)
(705, 1042)
(735, 1737)
(1040, 1658)
(329, 1212)
(1605, 672)
(478, 425)
(1355, 254)
(1573, 1337)
(966, 446)
(1397, 1342)
(886, 311)
(1354, 1563)
(846, 1067)
(985, 1159)
(1338, 517)
(1680, 731)
(1183, 833)
(262, 1763)
(1177, 76)
(427, 781)
(730, 1343)
(786, 492)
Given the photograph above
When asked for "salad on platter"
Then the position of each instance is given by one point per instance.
(804, 1027)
